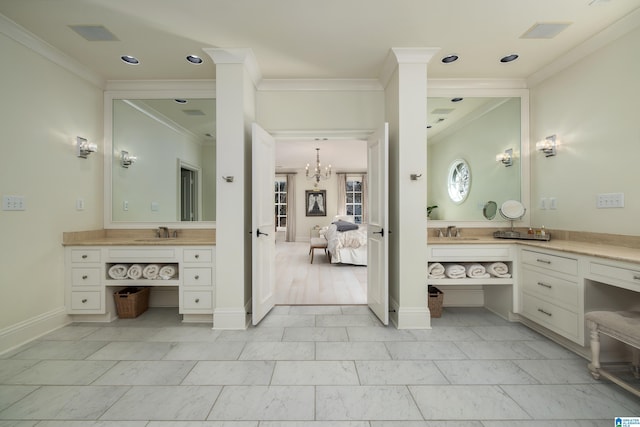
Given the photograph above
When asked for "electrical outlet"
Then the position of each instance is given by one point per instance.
(79, 204)
(155, 207)
(125, 205)
(553, 203)
(543, 203)
(610, 200)
(13, 203)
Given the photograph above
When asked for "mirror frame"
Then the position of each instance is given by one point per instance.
(145, 90)
(491, 89)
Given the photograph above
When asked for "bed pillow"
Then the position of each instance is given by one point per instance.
(345, 226)
(347, 218)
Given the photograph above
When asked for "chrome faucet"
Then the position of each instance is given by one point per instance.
(163, 232)
(452, 231)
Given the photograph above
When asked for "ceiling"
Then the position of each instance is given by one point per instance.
(308, 39)
(314, 39)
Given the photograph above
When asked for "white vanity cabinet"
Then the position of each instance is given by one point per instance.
(552, 293)
(90, 288)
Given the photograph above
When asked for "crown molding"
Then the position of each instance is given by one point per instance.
(44, 49)
(476, 84)
(182, 88)
(405, 55)
(616, 30)
(309, 85)
(243, 56)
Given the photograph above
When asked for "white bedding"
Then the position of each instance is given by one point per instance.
(347, 247)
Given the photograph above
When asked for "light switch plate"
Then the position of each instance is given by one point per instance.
(13, 203)
(610, 200)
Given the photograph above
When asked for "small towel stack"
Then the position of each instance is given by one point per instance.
(476, 271)
(167, 272)
(435, 271)
(151, 271)
(118, 271)
(134, 272)
(455, 271)
(498, 269)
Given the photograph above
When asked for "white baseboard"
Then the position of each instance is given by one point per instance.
(230, 318)
(414, 318)
(197, 318)
(31, 329)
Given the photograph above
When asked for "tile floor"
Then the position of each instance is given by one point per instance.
(304, 366)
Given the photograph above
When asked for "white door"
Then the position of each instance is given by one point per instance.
(378, 224)
(263, 223)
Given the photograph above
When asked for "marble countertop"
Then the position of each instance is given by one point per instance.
(618, 253)
(138, 237)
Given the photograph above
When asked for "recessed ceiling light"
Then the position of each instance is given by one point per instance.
(449, 59)
(194, 59)
(456, 99)
(545, 30)
(131, 60)
(429, 126)
(509, 58)
(180, 101)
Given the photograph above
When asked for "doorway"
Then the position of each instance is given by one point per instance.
(189, 178)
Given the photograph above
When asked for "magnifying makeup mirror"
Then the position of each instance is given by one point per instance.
(512, 210)
(490, 209)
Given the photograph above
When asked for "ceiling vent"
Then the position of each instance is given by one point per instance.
(545, 30)
(94, 33)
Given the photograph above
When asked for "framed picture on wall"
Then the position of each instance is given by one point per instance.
(316, 202)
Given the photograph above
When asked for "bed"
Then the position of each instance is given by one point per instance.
(346, 247)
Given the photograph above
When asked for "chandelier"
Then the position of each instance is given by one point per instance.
(318, 174)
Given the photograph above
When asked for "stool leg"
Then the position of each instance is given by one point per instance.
(635, 362)
(594, 366)
(312, 251)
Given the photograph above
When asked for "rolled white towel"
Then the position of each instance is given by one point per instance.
(435, 270)
(476, 271)
(498, 269)
(118, 271)
(134, 272)
(167, 272)
(455, 271)
(151, 271)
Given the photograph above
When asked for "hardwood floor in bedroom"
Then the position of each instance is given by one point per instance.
(321, 283)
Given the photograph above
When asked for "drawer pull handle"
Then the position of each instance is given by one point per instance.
(85, 256)
(197, 300)
(544, 312)
(544, 261)
(84, 301)
(85, 277)
(545, 285)
(197, 256)
(197, 277)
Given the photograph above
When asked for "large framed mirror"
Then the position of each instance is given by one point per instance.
(160, 157)
(476, 124)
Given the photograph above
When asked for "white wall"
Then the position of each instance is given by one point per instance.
(42, 109)
(593, 108)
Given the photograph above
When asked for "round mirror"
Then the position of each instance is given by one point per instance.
(490, 209)
(459, 181)
(512, 209)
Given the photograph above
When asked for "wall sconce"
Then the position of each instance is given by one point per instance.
(505, 158)
(547, 146)
(126, 160)
(84, 148)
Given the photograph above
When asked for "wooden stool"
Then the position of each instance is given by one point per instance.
(317, 243)
(623, 326)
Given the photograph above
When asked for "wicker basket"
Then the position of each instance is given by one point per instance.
(131, 302)
(434, 301)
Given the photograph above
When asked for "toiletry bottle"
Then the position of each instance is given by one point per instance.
(542, 231)
(530, 231)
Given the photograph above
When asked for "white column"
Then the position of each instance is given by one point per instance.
(237, 75)
(405, 82)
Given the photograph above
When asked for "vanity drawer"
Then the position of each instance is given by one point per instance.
(85, 276)
(627, 277)
(558, 319)
(86, 300)
(197, 300)
(551, 262)
(468, 252)
(197, 255)
(549, 287)
(197, 277)
(85, 255)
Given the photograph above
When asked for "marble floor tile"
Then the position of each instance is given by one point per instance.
(365, 403)
(10, 394)
(347, 320)
(315, 309)
(378, 333)
(120, 350)
(229, 350)
(355, 309)
(164, 403)
(62, 372)
(571, 371)
(399, 372)
(549, 423)
(185, 334)
(351, 351)
(264, 403)
(203, 424)
(620, 395)
(111, 333)
(70, 333)
(230, 373)
(283, 309)
(498, 350)
(446, 333)
(468, 316)
(426, 424)
(314, 424)
(484, 372)
(69, 350)
(455, 402)
(566, 402)
(289, 320)
(315, 373)
(315, 334)
(64, 403)
(11, 367)
(278, 351)
(146, 373)
(514, 332)
(19, 423)
(550, 350)
(433, 350)
(252, 334)
(91, 424)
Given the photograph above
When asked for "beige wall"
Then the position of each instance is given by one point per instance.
(593, 108)
(42, 110)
